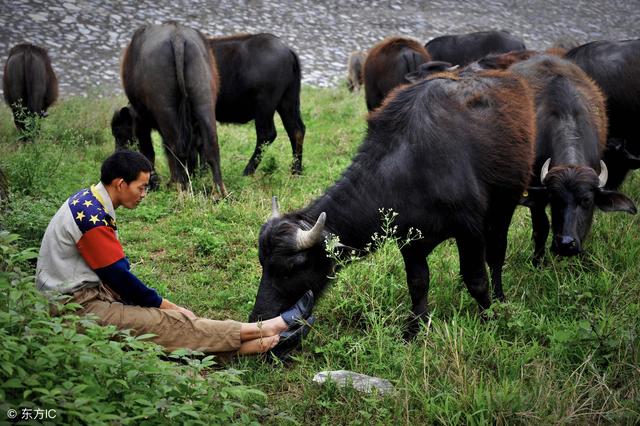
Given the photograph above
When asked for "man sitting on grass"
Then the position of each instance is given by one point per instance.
(81, 256)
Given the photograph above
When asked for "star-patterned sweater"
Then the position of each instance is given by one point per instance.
(80, 248)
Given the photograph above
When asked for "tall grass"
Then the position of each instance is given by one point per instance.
(564, 348)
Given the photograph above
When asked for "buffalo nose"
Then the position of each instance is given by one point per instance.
(566, 245)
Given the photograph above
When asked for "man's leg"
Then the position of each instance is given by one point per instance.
(173, 330)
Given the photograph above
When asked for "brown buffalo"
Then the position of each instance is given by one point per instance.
(386, 66)
(30, 86)
(170, 77)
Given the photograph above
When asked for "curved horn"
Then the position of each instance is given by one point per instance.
(544, 170)
(604, 174)
(306, 239)
(275, 208)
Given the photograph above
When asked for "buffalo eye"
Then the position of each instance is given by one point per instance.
(585, 201)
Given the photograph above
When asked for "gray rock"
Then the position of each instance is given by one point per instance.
(360, 382)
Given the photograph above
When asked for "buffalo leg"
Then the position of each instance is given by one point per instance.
(265, 134)
(540, 226)
(145, 145)
(472, 266)
(289, 110)
(417, 269)
(168, 124)
(496, 238)
(210, 149)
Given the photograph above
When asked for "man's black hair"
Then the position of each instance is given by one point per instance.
(124, 164)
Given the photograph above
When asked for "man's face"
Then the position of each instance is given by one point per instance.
(131, 194)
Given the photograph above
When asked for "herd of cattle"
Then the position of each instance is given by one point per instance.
(460, 132)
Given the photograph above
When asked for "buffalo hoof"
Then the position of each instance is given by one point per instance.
(249, 170)
(412, 328)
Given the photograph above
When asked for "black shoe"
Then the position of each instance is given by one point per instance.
(298, 312)
(290, 340)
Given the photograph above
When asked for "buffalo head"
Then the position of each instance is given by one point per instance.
(574, 192)
(293, 259)
(429, 68)
(122, 127)
(123, 130)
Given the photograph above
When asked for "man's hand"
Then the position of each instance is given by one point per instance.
(187, 313)
(173, 307)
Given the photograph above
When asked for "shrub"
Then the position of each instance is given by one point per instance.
(89, 373)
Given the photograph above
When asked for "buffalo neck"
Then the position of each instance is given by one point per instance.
(352, 206)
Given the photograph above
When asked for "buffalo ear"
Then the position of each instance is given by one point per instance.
(534, 195)
(613, 201)
(121, 117)
(633, 161)
(413, 76)
(125, 114)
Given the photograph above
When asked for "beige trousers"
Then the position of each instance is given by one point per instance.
(173, 330)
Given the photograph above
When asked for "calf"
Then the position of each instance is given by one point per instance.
(450, 155)
(30, 86)
(260, 75)
(387, 64)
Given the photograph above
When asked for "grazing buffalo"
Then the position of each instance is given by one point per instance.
(450, 155)
(30, 86)
(355, 66)
(260, 75)
(170, 78)
(387, 64)
(568, 174)
(615, 66)
(465, 48)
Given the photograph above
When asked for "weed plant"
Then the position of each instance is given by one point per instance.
(563, 348)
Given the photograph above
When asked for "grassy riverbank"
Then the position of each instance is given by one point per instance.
(564, 348)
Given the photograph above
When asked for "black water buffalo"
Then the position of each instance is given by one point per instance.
(386, 65)
(355, 66)
(170, 78)
(463, 49)
(30, 86)
(450, 155)
(571, 129)
(260, 75)
(615, 66)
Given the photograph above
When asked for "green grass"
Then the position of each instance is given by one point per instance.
(565, 348)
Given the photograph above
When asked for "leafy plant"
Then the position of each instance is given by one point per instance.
(88, 373)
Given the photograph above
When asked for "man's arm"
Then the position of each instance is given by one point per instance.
(128, 286)
(102, 251)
